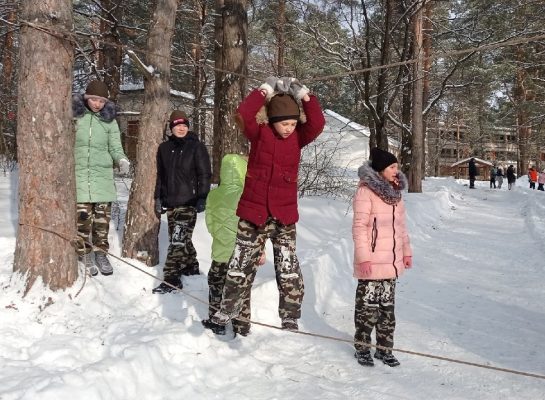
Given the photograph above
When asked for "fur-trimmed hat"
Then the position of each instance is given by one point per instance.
(282, 107)
(97, 89)
(178, 117)
(381, 159)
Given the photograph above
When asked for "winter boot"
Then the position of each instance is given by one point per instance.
(103, 263)
(364, 358)
(216, 328)
(87, 260)
(164, 288)
(290, 324)
(387, 358)
(220, 318)
(241, 330)
(191, 270)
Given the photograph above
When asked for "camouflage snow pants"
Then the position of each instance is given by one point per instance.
(181, 252)
(93, 221)
(216, 282)
(375, 301)
(243, 265)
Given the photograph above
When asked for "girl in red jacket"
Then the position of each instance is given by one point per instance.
(268, 205)
(382, 251)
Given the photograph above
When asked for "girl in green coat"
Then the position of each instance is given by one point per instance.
(222, 222)
(97, 148)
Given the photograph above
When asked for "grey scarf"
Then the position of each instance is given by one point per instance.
(388, 193)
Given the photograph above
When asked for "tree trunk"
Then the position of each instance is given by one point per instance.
(382, 81)
(199, 76)
(6, 81)
(231, 54)
(111, 56)
(415, 173)
(281, 43)
(140, 238)
(427, 29)
(520, 98)
(47, 196)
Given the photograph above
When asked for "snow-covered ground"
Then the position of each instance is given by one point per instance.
(475, 293)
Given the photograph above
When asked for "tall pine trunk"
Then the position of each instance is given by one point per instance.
(6, 81)
(47, 196)
(417, 151)
(231, 54)
(141, 224)
(111, 56)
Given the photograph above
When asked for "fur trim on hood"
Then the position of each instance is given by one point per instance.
(107, 114)
(389, 193)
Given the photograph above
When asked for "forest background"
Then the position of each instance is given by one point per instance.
(401, 68)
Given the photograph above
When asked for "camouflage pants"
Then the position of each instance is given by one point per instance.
(181, 252)
(93, 221)
(375, 302)
(216, 282)
(243, 265)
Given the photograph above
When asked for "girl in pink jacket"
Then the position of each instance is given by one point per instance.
(382, 252)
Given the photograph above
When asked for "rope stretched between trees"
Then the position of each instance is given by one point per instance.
(69, 35)
(299, 332)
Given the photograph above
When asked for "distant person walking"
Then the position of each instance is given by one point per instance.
(493, 172)
(541, 180)
(499, 177)
(472, 167)
(511, 177)
(532, 177)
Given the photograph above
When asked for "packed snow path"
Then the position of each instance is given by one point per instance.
(475, 293)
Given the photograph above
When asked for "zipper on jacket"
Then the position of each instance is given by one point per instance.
(89, 158)
(394, 237)
(374, 234)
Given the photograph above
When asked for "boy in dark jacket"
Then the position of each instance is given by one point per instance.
(183, 182)
(268, 205)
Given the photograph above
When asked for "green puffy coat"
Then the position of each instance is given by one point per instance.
(97, 149)
(221, 205)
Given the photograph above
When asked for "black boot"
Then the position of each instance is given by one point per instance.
(216, 328)
(164, 288)
(387, 358)
(364, 358)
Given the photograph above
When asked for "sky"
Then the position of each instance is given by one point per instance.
(475, 294)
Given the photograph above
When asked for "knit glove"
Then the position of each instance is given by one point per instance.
(201, 205)
(365, 268)
(407, 261)
(283, 84)
(269, 86)
(298, 90)
(124, 166)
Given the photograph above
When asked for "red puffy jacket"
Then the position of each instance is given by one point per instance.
(270, 188)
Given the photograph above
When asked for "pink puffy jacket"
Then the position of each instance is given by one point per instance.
(380, 235)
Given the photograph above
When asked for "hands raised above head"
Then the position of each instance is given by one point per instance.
(298, 90)
(285, 84)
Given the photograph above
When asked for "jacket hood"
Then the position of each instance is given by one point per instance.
(107, 114)
(373, 180)
(233, 170)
